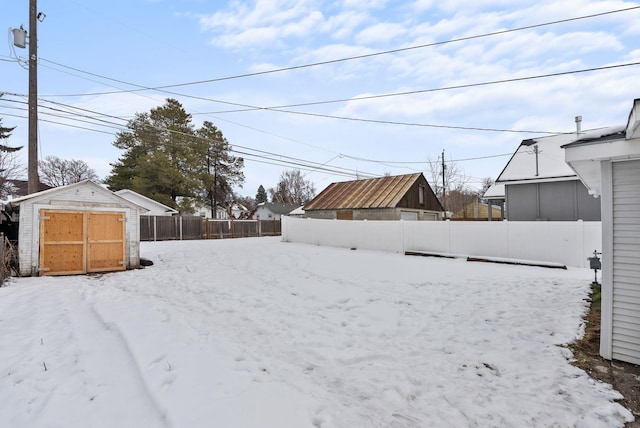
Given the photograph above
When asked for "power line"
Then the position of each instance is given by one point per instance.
(423, 162)
(282, 108)
(448, 88)
(350, 58)
(255, 155)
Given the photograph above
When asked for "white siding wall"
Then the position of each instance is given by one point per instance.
(626, 261)
(87, 197)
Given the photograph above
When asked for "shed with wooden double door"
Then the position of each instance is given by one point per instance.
(76, 229)
(76, 242)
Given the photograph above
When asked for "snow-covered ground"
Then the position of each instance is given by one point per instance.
(258, 333)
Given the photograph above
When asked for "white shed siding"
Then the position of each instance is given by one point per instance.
(626, 261)
(84, 196)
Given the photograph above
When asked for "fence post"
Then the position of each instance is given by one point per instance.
(259, 226)
(155, 229)
(580, 250)
(180, 228)
(506, 233)
(3, 270)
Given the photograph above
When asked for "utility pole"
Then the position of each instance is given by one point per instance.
(32, 167)
(444, 188)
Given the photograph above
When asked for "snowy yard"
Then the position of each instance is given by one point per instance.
(256, 333)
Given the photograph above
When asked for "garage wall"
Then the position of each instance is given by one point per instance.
(552, 201)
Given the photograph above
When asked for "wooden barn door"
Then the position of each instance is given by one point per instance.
(62, 242)
(77, 242)
(105, 238)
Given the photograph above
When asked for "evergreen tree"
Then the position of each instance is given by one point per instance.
(10, 169)
(261, 195)
(162, 156)
(222, 171)
(5, 133)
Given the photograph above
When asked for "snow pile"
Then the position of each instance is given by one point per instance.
(259, 333)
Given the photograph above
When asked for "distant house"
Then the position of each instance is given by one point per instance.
(477, 210)
(537, 184)
(18, 188)
(222, 213)
(401, 197)
(609, 166)
(154, 208)
(272, 210)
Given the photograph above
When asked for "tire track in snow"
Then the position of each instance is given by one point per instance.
(125, 368)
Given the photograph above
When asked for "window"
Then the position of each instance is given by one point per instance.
(421, 195)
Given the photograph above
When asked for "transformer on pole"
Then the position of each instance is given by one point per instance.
(20, 41)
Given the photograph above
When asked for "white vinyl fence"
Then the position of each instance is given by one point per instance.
(569, 243)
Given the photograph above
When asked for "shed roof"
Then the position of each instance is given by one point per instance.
(34, 197)
(144, 201)
(383, 192)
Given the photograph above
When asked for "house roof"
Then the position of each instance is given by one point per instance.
(276, 208)
(549, 162)
(144, 201)
(20, 187)
(622, 142)
(383, 192)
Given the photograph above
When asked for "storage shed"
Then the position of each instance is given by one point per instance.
(151, 206)
(400, 197)
(75, 229)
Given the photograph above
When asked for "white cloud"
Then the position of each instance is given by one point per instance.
(380, 33)
(364, 4)
(344, 24)
(262, 23)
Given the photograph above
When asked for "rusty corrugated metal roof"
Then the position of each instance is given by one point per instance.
(383, 192)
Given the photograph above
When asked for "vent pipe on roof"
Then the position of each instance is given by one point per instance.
(578, 124)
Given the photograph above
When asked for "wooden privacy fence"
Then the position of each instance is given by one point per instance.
(163, 228)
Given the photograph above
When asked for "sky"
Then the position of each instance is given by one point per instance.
(258, 333)
(340, 89)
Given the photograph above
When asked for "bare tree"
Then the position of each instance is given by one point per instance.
(59, 172)
(455, 181)
(292, 189)
(10, 170)
(486, 183)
